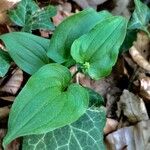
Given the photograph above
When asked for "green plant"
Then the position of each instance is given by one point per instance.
(50, 102)
(30, 17)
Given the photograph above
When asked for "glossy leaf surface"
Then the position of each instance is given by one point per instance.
(97, 51)
(47, 102)
(27, 50)
(69, 30)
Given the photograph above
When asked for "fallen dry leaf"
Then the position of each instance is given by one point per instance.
(63, 11)
(140, 51)
(7, 4)
(132, 107)
(101, 86)
(145, 87)
(14, 83)
(8, 98)
(4, 111)
(122, 8)
(130, 138)
(89, 3)
(112, 97)
(111, 125)
(3, 29)
(4, 6)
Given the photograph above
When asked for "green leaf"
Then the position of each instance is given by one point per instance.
(69, 30)
(84, 134)
(47, 102)
(95, 99)
(29, 16)
(97, 51)
(128, 41)
(140, 17)
(5, 61)
(27, 50)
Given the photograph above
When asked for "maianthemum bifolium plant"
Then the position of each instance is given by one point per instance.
(51, 109)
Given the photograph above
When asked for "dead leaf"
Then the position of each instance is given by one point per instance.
(3, 29)
(4, 111)
(140, 51)
(14, 83)
(130, 138)
(132, 107)
(8, 98)
(89, 3)
(7, 4)
(122, 8)
(4, 6)
(102, 86)
(145, 87)
(129, 61)
(112, 97)
(63, 11)
(111, 125)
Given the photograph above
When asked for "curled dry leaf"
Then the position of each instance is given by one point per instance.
(129, 61)
(8, 98)
(4, 111)
(140, 51)
(14, 83)
(89, 3)
(132, 107)
(131, 138)
(145, 87)
(111, 125)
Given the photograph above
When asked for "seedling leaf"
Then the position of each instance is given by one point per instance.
(69, 30)
(27, 50)
(97, 51)
(47, 102)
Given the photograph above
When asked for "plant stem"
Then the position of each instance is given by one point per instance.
(75, 74)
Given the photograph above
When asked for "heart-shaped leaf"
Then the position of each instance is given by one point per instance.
(84, 134)
(97, 50)
(48, 101)
(69, 30)
(27, 50)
